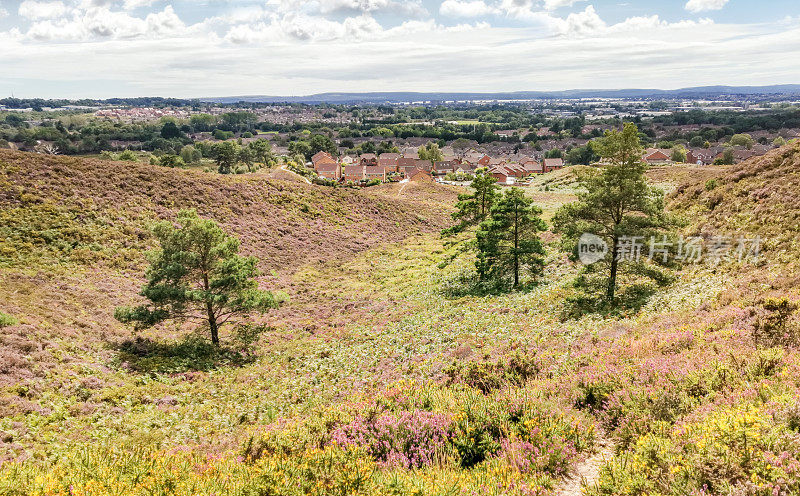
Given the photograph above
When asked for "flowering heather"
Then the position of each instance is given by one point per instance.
(381, 375)
(407, 439)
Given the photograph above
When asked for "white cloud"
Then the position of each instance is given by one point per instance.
(31, 9)
(557, 4)
(300, 51)
(704, 5)
(103, 23)
(583, 23)
(466, 8)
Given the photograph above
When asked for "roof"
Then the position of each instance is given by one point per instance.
(322, 157)
(554, 162)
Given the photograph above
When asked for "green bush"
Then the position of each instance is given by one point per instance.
(7, 320)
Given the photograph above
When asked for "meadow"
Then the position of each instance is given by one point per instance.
(380, 375)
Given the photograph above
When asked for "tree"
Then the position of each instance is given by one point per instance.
(170, 130)
(301, 147)
(744, 140)
(430, 152)
(197, 275)
(678, 154)
(508, 241)
(190, 154)
(779, 141)
(554, 153)
(322, 143)
(473, 208)
(616, 203)
(584, 155)
(246, 157)
(262, 151)
(697, 142)
(171, 161)
(227, 156)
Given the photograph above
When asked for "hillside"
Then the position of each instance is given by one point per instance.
(379, 376)
(74, 234)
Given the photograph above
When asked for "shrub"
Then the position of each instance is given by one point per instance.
(7, 320)
(772, 325)
(128, 156)
(488, 376)
(407, 439)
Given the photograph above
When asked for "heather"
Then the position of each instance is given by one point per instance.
(380, 374)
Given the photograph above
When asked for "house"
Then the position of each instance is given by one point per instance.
(532, 167)
(693, 158)
(354, 172)
(656, 156)
(500, 174)
(551, 164)
(388, 163)
(322, 157)
(375, 172)
(327, 170)
(466, 168)
(326, 166)
(405, 164)
(443, 167)
(368, 159)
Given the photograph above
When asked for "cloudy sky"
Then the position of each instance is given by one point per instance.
(180, 48)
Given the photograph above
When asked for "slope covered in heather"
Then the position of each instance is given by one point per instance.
(377, 377)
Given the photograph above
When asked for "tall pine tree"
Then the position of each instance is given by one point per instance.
(508, 241)
(616, 204)
(473, 208)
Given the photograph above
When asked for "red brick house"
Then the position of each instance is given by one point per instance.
(354, 172)
(551, 164)
(375, 172)
(332, 171)
(368, 159)
(655, 156)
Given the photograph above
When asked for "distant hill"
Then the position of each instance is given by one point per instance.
(405, 96)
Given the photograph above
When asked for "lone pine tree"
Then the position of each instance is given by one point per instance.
(616, 203)
(197, 275)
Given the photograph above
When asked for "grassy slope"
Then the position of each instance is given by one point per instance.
(375, 333)
(75, 232)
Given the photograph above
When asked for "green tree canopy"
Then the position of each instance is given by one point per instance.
(226, 155)
(508, 240)
(430, 152)
(473, 208)
(616, 203)
(197, 275)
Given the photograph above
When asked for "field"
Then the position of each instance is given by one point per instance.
(380, 375)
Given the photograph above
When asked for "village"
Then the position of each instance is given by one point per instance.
(506, 169)
(388, 167)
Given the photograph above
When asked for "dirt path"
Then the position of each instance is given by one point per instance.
(586, 472)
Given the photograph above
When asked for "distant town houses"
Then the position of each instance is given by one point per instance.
(406, 165)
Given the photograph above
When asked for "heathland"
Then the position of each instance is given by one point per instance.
(379, 374)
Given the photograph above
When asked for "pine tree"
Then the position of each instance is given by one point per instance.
(616, 203)
(508, 240)
(474, 208)
(197, 275)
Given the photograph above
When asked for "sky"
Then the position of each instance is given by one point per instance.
(189, 49)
